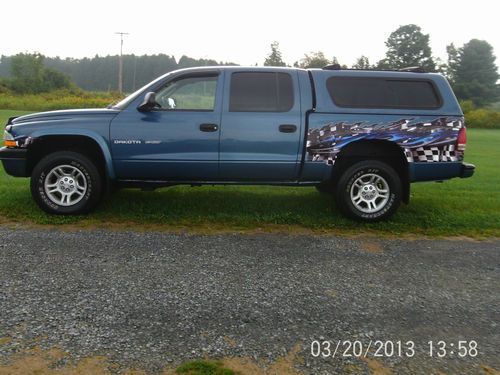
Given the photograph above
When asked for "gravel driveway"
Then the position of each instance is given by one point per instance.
(150, 300)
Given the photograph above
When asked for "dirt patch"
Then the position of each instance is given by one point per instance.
(490, 370)
(41, 362)
(230, 341)
(56, 362)
(376, 367)
(372, 247)
(283, 366)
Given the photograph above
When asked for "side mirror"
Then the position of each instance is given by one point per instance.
(149, 103)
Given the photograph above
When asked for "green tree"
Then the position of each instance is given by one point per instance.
(452, 63)
(27, 73)
(99, 73)
(274, 58)
(474, 73)
(335, 61)
(4, 86)
(55, 80)
(313, 60)
(441, 66)
(408, 46)
(362, 62)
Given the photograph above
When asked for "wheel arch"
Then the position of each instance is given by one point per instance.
(382, 150)
(88, 143)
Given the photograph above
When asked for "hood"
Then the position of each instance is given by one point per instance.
(63, 115)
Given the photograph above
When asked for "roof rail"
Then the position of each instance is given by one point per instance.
(413, 69)
(332, 67)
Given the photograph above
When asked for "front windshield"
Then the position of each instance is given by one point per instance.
(122, 104)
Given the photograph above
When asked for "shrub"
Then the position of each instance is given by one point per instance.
(59, 99)
(4, 87)
(203, 367)
(486, 118)
(483, 118)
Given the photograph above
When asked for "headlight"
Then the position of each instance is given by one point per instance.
(8, 139)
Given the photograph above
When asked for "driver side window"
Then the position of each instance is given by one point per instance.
(188, 93)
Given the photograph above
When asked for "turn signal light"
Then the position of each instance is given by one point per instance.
(9, 143)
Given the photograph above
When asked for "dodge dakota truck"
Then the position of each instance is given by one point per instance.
(363, 136)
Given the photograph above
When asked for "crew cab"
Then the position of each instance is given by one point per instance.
(363, 136)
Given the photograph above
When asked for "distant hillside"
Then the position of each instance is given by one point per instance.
(100, 73)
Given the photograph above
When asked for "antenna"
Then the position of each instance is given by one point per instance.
(120, 62)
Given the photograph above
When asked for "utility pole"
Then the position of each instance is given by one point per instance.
(135, 73)
(120, 62)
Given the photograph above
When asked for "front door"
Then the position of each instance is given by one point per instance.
(179, 140)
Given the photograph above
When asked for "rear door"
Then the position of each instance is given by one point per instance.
(261, 126)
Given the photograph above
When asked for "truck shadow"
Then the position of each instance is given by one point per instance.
(237, 205)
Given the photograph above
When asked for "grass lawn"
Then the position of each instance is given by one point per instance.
(468, 207)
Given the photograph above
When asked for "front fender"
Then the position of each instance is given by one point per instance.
(96, 137)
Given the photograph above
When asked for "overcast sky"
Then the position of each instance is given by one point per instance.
(239, 31)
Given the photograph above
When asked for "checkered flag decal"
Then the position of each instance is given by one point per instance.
(427, 154)
(449, 153)
(432, 154)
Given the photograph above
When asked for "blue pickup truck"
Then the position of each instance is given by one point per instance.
(363, 136)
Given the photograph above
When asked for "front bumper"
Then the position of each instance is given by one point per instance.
(14, 161)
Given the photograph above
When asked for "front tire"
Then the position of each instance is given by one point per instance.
(369, 191)
(66, 183)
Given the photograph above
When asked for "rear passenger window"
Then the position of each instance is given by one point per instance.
(357, 92)
(261, 92)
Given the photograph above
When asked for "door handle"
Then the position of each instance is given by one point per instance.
(288, 128)
(209, 127)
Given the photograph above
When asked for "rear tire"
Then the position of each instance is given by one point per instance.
(66, 183)
(369, 191)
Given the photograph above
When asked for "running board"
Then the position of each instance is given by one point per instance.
(149, 185)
